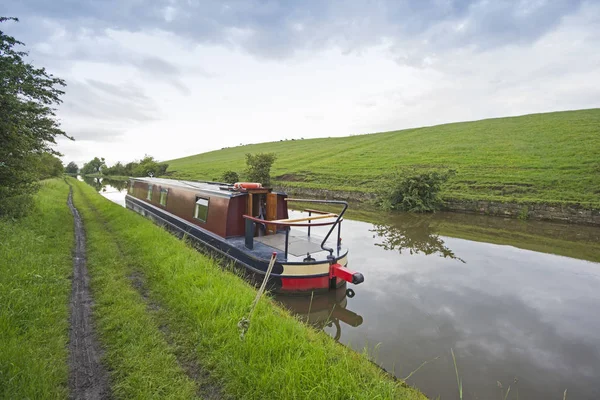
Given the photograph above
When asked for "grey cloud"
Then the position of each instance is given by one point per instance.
(125, 104)
(96, 133)
(278, 28)
(101, 111)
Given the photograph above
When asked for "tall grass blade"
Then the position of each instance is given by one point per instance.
(420, 366)
(458, 380)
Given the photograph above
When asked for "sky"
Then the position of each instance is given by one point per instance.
(173, 78)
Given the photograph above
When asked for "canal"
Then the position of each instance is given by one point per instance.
(515, 301)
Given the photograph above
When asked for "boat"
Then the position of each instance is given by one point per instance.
(248, 223)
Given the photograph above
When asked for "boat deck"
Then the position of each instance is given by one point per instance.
(299, 245)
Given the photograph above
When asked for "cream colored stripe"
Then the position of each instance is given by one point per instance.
(310, 269)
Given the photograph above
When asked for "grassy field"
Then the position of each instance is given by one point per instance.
(552, 157)
(149, 283)
(36, 264)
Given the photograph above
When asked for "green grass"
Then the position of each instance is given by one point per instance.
(141, 362)
(552, 157)
(200, 305)
(35, 268)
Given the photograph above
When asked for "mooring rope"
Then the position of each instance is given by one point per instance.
(244, 323)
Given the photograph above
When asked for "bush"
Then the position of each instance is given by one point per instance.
(413, 191)
(259, 167)
(230, 177)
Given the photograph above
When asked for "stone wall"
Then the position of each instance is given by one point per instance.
(537, 211)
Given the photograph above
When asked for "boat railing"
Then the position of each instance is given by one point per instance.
(310, 222)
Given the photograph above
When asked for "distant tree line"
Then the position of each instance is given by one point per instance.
(144, 167)
(28, 126)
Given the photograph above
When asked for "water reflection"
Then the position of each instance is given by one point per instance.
(323, 310)
(112, 189)
(413, 234)
(103, 184)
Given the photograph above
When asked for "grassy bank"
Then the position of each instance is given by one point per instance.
(550, 157)
(36, 264)
(195, 306)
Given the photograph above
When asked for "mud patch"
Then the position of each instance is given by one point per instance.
(88, 379)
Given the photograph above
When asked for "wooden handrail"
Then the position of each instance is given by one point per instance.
(305, 218)
(264, 221)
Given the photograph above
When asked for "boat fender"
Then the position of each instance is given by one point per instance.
(243, 186)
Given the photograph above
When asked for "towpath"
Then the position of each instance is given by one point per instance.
(88, 379)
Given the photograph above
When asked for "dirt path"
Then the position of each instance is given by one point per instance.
(88, 378)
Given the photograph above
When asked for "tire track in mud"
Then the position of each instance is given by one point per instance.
(88, 379)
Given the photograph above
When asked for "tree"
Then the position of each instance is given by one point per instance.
(230, 177)
(49, 166)
(71, 168)
(28, 124)
(94, 166)
(259, 167)
(117, 169)
(148, 165)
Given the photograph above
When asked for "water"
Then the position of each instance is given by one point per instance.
(113, 189)
(513, 316)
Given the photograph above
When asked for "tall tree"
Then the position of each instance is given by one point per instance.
(71, 168)
(28, 124)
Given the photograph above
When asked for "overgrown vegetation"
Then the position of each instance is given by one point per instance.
(197, 304)
(230, 177)
(551, 158)
(36, 264)
(413, 191)
(28, 125)
(258, 167)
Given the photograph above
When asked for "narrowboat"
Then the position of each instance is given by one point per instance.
(247, 223)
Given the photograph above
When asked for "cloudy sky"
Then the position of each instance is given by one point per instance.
(173, 78)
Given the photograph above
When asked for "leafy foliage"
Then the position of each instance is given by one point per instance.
(413, 191)
(28, 124)
(146, 166)
(72, 168)
(94, 166)
(230, 177)
(49, 166)
(259, 167)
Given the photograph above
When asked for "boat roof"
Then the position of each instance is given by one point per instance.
(216, 188)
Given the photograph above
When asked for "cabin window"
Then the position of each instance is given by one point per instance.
(163, 197)
(130, 190)
(149, 196)
(201, 211)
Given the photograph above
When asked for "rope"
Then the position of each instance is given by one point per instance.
(244, 323)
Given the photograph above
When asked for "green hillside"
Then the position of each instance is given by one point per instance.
(551, 157)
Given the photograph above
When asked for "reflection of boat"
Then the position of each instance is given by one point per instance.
(326, 309)
(248, 223)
